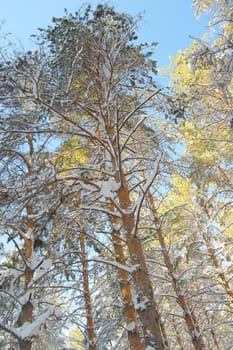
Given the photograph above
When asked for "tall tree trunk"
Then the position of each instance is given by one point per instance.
(130, 315)
(189, 315)
(27, 308)
(87, 295)
(146, 307)
(145, 304)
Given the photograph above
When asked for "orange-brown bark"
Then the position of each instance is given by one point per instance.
(87, 295)
(27, 308)
(130, 315)
(136, 342)
(164, 335)
(189, 315)
(129, 312)
(146, 307)
(224, 282)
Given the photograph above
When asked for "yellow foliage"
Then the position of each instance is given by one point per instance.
(183, 76)
(75, 339)
(182, 193)
(205, 5)
(72, 154)
(208, 143)
(178, 208)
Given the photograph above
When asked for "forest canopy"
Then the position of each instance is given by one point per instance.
(116, 192)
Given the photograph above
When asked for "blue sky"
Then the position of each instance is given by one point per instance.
(169, 22)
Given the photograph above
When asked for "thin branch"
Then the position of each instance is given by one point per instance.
(137, 108)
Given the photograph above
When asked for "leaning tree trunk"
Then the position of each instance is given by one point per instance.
(189, 315)
(222, 277)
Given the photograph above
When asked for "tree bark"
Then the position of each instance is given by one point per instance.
(146, 307)
(135, 341)
(87, 295)
(129, 312)
(25, 344)
(189, 315)
(27, 308)
(223, 280)
(164, 335)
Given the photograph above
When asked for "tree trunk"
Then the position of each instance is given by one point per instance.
(27, 308)
(189, 315)
(87, 295)
(135, 341)
(145, 304)
(145, 307)
(130, 315)
(164, 335)
(224, 282)
(25, 344)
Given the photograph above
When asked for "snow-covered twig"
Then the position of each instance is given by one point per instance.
(129, 269)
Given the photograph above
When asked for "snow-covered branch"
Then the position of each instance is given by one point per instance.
(129, 269)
